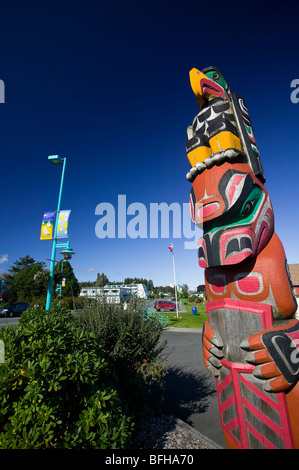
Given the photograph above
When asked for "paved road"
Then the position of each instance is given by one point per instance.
(9, 321)
(190, 389)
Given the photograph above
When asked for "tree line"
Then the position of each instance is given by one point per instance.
(103, 280)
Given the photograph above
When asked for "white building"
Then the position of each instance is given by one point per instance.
(114, 293)
(139, 291)
(111, 294)
(136, 291)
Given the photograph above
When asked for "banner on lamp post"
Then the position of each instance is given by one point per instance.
(47, 226)
(63, 223)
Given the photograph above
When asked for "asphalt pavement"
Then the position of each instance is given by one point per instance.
(9, 321)
(190, 390)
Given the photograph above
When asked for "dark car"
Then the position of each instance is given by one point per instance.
(13, 309)
(161, 305)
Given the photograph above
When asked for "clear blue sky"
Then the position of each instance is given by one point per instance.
(106, 84)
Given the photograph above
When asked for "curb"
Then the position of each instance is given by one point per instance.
(197, 435)
(183, 330)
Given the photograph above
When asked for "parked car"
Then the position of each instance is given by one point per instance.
(161, 305)
(13, 309)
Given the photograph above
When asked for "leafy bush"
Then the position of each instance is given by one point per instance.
(133, 344)
(56, 387)
(195, 299)
(69, 302)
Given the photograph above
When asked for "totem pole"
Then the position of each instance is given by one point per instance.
(251, 338)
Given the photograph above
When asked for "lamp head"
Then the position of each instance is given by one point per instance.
(55, 159)
(67, 253)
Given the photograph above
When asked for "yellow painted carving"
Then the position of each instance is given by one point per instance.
(199, 154)
(225, 140)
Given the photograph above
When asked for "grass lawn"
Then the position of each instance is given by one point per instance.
(187, 320)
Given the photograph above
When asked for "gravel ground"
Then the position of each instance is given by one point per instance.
(167, 432)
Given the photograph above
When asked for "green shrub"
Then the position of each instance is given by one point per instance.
(195, 299)
(56, 387)
(69, 302)
(133, 344)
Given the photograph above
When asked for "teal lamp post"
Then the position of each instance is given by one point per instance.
(55, 160)
(67, 253)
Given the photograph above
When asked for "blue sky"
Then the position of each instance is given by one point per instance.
(106, 84)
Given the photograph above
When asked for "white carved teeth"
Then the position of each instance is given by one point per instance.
(200, 166)
(231, 153)
(189, 176)
(194, 171)
(209, 162)
(216, 159)
(219, 158)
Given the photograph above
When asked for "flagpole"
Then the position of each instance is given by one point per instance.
(174, 277)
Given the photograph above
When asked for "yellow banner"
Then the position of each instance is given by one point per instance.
(47, 226)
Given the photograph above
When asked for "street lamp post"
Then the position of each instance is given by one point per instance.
(55, 160)
(179, 288)
(67, 253)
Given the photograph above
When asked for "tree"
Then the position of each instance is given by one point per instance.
(64, 270)
(102, 279)
(185, 290)
(160, 290)
(87, 284)
(31, 281)
(148, 283)
(21, 286)
(21, 264)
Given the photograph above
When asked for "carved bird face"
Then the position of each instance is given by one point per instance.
(209, 84)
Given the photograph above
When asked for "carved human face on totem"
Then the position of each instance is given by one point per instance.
(234, 210)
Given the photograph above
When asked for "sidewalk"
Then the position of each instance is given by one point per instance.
(190, 390)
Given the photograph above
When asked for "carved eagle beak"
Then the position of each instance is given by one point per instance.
(204, 88)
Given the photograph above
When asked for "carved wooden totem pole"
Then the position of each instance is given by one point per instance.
(251, 338)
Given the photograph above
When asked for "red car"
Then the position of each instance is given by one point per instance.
(164, 305)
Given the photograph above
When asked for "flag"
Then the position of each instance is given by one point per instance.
(171, 247)
(47, 225)
(63, 223)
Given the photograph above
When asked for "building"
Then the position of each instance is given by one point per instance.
(136, 291)
(111, 294)
(139, 291)
(116, 293)
(294, 273)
